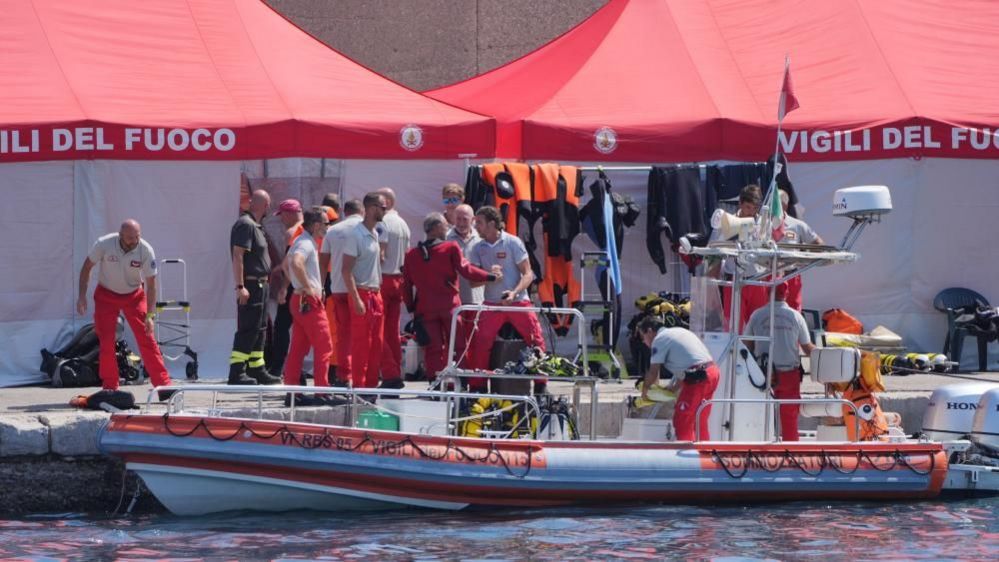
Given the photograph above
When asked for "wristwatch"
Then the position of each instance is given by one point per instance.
(239, 287)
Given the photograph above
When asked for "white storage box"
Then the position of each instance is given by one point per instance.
(636, 429)
(831, 433)
(835, 364)
(425, 417)
(822, 410)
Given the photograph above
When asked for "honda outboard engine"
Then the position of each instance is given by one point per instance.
(985, 427)
(951, 412)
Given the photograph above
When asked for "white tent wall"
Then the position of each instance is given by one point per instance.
(54, 211)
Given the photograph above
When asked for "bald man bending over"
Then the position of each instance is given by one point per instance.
(126, 264)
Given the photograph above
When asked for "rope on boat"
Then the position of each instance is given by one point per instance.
(788, 459)
(492, 454)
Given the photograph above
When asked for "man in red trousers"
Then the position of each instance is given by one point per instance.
(126, 284)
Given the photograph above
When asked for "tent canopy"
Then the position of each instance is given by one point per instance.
(674, 81)
(202, 79)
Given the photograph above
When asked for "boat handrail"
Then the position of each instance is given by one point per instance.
(580, 332)
(175, 399)
(777, 402)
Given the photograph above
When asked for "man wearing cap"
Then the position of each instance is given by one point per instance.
(430, 287)
(684, 355)
(505, 256)
(290, 213)
(362, 277)
(397, 235)
(331, 259)
(310, 328)
(251, 268)
(790, 335)
(126, 284)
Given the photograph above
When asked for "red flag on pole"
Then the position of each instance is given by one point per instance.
(788, 102)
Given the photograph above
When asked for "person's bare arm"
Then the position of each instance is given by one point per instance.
(81, 301)
(526, 278)
(150, 302)
(347, 271)
(651, 378)
(296, 264)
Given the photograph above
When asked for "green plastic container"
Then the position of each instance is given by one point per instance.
(375, 419)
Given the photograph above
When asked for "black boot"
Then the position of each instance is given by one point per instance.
(261, 376)
(238, 377)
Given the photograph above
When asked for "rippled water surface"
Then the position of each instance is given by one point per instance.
(965, 529)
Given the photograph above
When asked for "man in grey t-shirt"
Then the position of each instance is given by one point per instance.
(499, 252)
(362, 276)
(310, 327)
(796, 231)
(126, 285)
(790, 335)
(683, 354)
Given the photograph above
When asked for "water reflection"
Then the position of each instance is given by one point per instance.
(965, 529)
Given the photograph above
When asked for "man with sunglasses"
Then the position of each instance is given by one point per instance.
(310, 327)
(362, 275)
(452, 195)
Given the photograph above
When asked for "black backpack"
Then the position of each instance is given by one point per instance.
(76, 364)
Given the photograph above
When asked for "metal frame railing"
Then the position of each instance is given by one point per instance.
(775, 403)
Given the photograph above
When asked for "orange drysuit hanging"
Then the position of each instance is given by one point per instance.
(556, 195)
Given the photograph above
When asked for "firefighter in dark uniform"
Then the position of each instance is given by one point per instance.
(251, 266)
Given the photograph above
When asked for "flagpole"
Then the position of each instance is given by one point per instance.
(765, 215)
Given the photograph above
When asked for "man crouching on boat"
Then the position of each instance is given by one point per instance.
(695, 374)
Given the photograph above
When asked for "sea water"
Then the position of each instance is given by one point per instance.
(952, 529)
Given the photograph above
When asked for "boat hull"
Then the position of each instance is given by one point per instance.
(198, 465)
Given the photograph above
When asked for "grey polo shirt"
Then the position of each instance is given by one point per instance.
(362, 244)
(790, 330)
(333, 244)
(798, 232)
(469, 294)
(507, 252)
(305, 246)
(397, 235)
(679, 349)
(118, 271)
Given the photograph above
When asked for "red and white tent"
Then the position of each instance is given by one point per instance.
(152, 109)
(202, 80)
(895, 92)
(680, 80)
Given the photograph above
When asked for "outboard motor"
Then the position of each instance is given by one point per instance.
(951, 412)
(985, 427)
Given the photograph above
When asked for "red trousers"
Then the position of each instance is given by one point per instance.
(793, 297)
(341, 315)
(787, 385)
(490, 323)
(366, 331)
(690, 398)
(107, 306)
(308, 329)
(331, 321)
(753, 297)
(438, 326)
(391, 360)
(462, 339)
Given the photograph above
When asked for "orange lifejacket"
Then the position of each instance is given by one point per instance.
(873, 423)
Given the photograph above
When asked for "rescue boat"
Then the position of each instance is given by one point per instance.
(440, 456)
